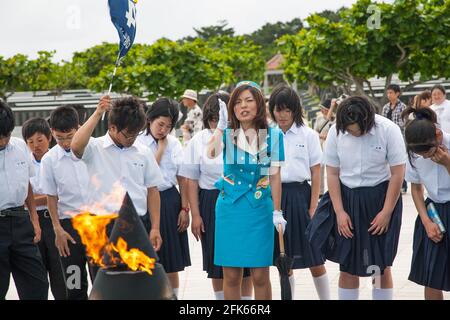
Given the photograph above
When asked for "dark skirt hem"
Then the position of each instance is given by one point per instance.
(430, 263)
(364, 254)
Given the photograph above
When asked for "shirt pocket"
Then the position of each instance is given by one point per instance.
(299, 151)
(377, 154)
(21, 168)
(20, 176)
(136, 171)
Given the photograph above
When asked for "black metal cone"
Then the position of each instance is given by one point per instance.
(284, 264)
(118, 283)
(129, 227)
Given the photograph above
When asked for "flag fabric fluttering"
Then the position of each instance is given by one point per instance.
(123, 16)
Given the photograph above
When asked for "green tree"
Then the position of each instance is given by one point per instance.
(14, 75)
(205, 33)
(42, 72)
(267, 35)
(407, 41)
(333, 16)
(241, 59)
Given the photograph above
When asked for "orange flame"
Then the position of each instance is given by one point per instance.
(92, 231)
(134, 258)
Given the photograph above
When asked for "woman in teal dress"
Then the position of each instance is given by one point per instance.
(249, 203)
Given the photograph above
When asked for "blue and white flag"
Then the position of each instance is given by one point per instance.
(123, 16)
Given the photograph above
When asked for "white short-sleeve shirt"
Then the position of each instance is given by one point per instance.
(302, 151)
(365, 161)
(16, 170)
(443, 113)
(197, 165)
(433, 176)
(134, 168)
(170, 160)
(35, 181)
(65, 176)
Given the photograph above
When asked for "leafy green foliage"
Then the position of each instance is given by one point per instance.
(412, 39)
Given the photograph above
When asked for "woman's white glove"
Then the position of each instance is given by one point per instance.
(278, 219)
(223, 116)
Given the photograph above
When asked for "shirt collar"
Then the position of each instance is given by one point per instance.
(62, 153)
(371, 132)
(252, 148)
(149, 140)
(108, 142)
(397, 103)
(33, 159)
(10, 145)
(294, 128)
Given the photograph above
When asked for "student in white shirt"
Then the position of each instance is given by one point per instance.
(429, 167)
(441, 106)
(201, 173)
(118, 158)
(64, 179)
(299, 199)
(19, 228)
(358, 223)
(37, 134)
(174, 253)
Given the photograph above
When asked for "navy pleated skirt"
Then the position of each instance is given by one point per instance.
(295, 203)
(364, 254)
(430, 265)
(174, 253)
(207, 204)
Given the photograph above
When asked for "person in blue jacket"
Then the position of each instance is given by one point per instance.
(249, 203)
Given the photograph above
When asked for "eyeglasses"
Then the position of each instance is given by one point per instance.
(129, 137)
(59, 139)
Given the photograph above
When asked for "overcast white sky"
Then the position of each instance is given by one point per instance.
(27, 26)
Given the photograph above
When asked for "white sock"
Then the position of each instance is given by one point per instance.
(382, 294)
(246, 298)
(219, 295)
(322, 287)
(175, 290)
(292, 283)
(348, 294)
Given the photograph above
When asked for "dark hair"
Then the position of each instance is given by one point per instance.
(420, 133)
(82, 112)
(356, 109)
(425, 95)
(260, 120)
(394, 87)
(36, 125)
(211, 107)
(439, 87)
(163, 107)
(64, 119)
(127, 113)
(6, 119)
(284, 97)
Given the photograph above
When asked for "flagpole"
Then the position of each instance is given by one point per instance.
(112, 78)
